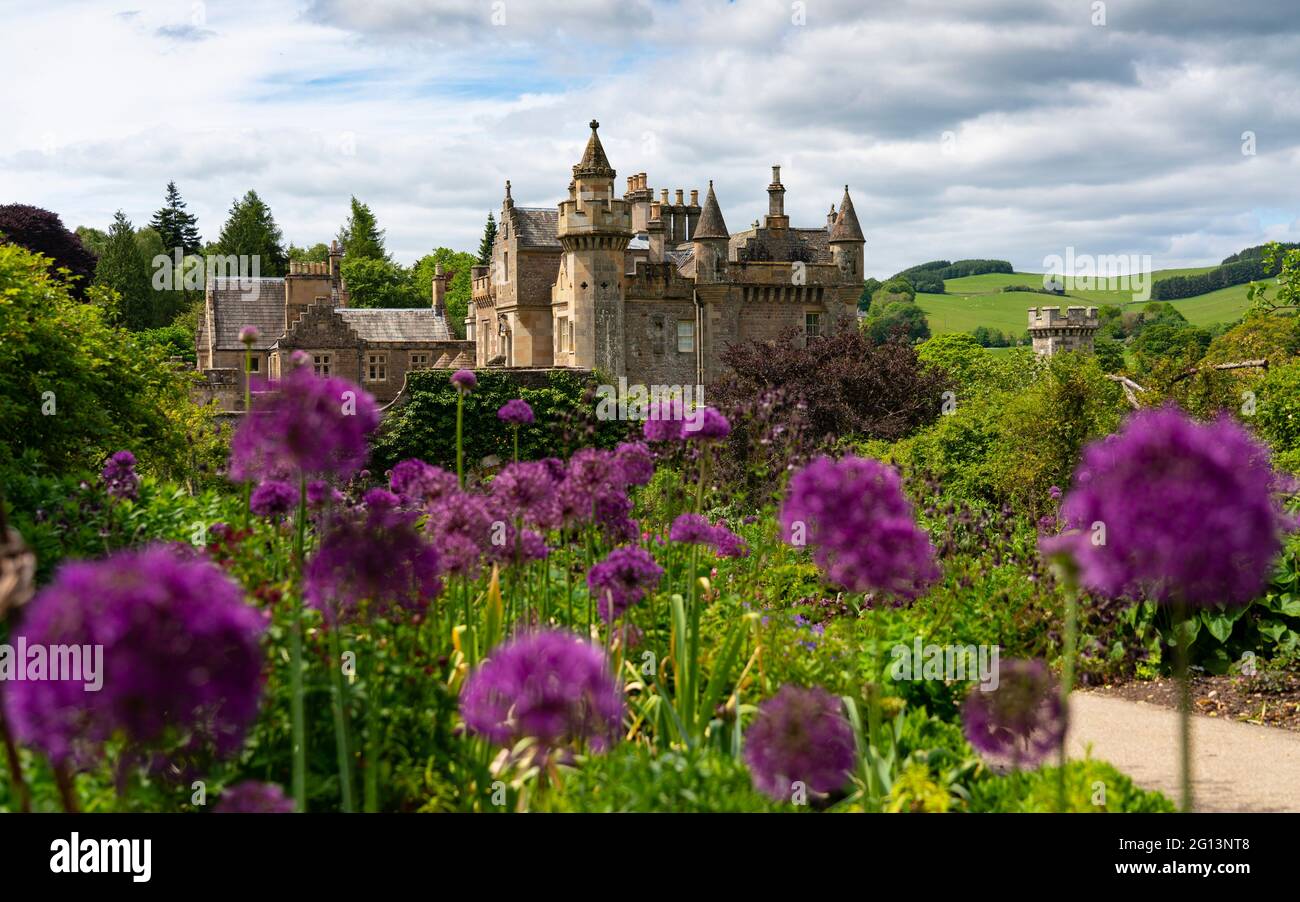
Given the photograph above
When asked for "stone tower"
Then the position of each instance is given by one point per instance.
(594, 229)
(709, 241)
(847, 241)
(1052, 333)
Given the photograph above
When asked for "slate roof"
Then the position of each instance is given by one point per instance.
(847, 227)
(711, 224)
(395, 325)
(237, 303)
(537, 227)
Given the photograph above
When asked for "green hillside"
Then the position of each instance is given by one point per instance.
(979, 301)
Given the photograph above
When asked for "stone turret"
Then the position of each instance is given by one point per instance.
(710, 241)
(1053, 332)
(847, 241)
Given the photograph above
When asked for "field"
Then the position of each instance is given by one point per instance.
(979, 301)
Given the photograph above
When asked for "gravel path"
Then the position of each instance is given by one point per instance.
(1236, 766)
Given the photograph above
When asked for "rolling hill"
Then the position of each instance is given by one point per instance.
(974, 301)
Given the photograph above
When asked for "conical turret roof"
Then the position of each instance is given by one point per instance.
(711, 224)
(594, 163)
(846, 224)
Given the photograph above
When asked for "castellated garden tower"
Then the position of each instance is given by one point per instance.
(594, 229)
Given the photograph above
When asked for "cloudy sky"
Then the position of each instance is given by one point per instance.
(969, 128)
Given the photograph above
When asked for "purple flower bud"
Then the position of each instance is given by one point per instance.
(465, 380)
(515, 411)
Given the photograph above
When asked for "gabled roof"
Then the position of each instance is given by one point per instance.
(537, 227)
(711, 224)
(237, 303)
(399, 325)
(846, 224)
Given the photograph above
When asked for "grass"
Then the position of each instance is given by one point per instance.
(980, 301)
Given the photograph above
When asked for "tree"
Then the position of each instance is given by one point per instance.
(1110, 354)
(489, 238)
(380, 283)
(869, 288)
(896, 289)
(361, 236)
(124, 270)
(74, 389)
(250, 231)
(175, 225)
(898, 320)
(317, 253)
(42, 232)
(459, 289)
(92, 239)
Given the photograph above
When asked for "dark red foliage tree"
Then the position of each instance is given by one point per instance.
(43, 232)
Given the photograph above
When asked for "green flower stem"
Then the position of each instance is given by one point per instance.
(296, 713)
(693, 638)
(516, 443)
(248, 403)
(1181, 670)
(460, 436)
(11, 755)
(341, 721)
(1067, 682)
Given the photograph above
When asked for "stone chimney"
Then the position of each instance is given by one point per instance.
(776, 218)
(439, 290)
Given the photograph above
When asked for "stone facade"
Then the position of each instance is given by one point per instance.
(1053, 332)
(654, 291)
(308, 311)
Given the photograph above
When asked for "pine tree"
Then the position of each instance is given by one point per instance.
(251, 231)
(175, 225)
(489, 238)
(124, 269)
(361, 237)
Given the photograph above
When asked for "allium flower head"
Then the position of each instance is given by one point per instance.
(728, 544)
(416, 482)
(253, 797)
(854, 515)
(370, 563)
(634, 459)
(526, 491)
(308, 426)
(181, 669)
(461, 526)
(664, 422)
(1173, 509)
(465, 380)
(1021, 721)
(273, 499)
(622, 579)
(119, 476)
(550, 686)
(321, 493)
(691, 529)
(249, 335)
(707, 425)
(799, 735)
(516, 411)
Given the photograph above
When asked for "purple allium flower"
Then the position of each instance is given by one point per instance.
(664, 423)
(691, 529)
(522, 545)
(1185, 511)
(706, 425)
(419, 483)
(799, 735)
(320, 493)
(634, 459)
(119, 476)
(298, 359)
(854, 514)
(461, 526)
(516, 412)
(253, 797)
(309, 426)
(526, 491)
(1021, 721)
(371, 562)
(728, 544)
(181, 668)
(273, 499)
(1054, 493)
(622, 579)
(550, 686)
(249, 334)
(464, 380)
